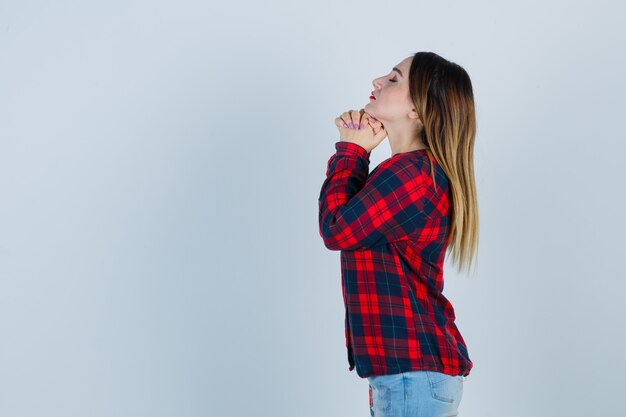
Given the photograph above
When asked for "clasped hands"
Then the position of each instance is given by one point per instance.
(359, 127)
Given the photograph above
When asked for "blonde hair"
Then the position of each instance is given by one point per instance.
(444, 100)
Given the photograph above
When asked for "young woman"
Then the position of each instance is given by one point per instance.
(393, 227)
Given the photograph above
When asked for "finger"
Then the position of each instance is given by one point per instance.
(356, 119)
(340, 122)
(350, 121)
(347, 119)
(362, 120)
(372, 121)
(344, 117)
(380, 135)
(376, 123)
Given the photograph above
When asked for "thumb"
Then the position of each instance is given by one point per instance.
(379, 131)
(381, 134)
(376, 125)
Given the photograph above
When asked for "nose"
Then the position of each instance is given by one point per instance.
(376, 84)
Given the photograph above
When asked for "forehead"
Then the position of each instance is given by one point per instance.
(405, 64)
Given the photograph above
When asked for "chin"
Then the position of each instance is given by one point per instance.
(367, 106)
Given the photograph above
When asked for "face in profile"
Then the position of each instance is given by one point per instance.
(393, 105)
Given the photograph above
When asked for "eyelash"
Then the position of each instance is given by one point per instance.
(393, 81)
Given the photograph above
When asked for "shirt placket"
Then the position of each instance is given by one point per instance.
(347, 323)
(348, 344)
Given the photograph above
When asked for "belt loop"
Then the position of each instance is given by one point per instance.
(406, 393)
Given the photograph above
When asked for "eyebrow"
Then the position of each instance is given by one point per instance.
(396, 69)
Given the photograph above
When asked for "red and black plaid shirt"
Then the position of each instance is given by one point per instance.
(392, 228)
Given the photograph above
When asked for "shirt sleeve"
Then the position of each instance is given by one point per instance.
(360, 212)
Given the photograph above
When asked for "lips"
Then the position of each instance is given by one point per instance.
(372, 97)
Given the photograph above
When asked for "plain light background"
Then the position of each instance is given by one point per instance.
(160, 164)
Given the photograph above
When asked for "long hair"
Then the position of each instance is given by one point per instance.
(442, 94)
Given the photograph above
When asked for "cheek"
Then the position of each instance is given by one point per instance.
(389, 105)
(394, 97)
(392, 106)
(394, 101)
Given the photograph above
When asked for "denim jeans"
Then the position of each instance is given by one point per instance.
(415, 394)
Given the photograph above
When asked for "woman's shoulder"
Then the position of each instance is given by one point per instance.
(415, 166)
(413, 162)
